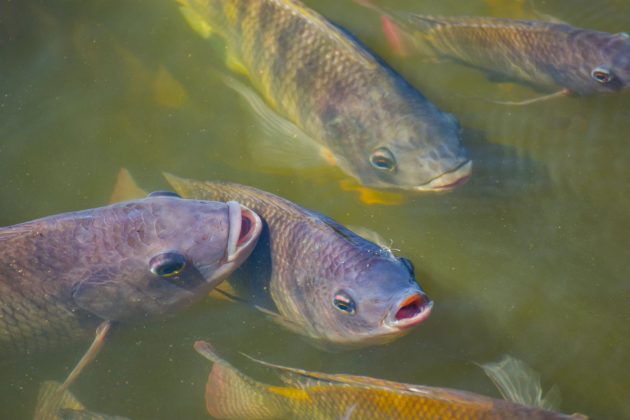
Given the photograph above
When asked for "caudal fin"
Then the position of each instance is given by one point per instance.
(231, 394)
(51, 399)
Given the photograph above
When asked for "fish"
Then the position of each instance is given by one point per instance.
(230, 394)
(315, 276)
(66, 407)
(62, 275)
(547, 55)
(316, 76)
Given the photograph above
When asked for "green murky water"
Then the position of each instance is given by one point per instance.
(530, 258)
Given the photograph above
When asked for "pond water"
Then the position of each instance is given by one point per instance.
(529, 258)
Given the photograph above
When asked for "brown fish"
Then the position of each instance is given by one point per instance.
(320, 79)
(313, 395)
(547, 55)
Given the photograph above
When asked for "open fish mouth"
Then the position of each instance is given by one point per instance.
(411, 311)
(449, 180)
(245, 227)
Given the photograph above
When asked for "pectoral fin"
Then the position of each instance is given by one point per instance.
(519, 383)
(281, 320)
(371, 196)
(281, 143)
(558, 94)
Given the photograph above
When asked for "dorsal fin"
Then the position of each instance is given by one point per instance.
(519, 383)
(164, 194)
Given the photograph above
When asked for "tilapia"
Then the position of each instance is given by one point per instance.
(313, 395)
(376, 126)
(61, 276)
(315, 276)
(546, 55)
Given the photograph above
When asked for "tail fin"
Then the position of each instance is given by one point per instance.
(519, 383)
(230, 394)
(49, 401)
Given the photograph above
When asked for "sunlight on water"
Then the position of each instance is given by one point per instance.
(530, 258)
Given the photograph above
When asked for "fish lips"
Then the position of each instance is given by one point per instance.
(449, 180)
(245, 227)
(409, 311)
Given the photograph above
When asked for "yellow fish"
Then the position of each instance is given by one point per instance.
(312, 395)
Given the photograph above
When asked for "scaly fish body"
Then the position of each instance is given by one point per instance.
(312, 395)
(545, 54)
(62, 275)
(325, 281)
(379, 128)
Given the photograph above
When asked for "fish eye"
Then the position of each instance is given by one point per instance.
(344, 303)
(383, 159)
(407, 262)
(168, 264)
(602, 75)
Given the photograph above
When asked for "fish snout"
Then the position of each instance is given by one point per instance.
(245, 228)
(451, 179)
(411, 310)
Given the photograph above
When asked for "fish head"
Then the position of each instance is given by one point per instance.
(373, 302)
(620, 65)
(162, 253)
(420, 154)
(606, 66)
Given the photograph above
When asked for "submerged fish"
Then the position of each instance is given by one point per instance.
(378, 128)
(51, 406)
(325, 281)
(312, 395)
(548, 55)
(62, 275)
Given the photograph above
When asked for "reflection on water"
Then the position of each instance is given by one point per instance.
(529, 258)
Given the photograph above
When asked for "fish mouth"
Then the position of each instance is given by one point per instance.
(449, 180)
(245, 228)
(410, 311)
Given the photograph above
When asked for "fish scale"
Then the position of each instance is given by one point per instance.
(343, 97)
(32, 314)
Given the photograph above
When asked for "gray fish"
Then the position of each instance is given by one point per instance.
(548, 55)
(62, 275)
(376, 126)
(325, 282)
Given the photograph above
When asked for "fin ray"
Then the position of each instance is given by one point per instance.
(282, 143)
(519, 383)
